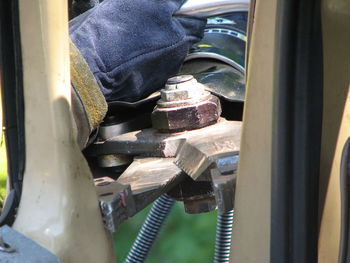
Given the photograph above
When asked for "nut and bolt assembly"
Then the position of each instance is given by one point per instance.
(185, 105)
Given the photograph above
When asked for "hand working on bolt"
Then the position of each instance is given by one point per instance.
(125, 50)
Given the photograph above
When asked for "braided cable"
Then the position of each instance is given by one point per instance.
(150, 229)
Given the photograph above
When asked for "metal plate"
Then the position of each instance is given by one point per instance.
(141, 183)
(150, 142)
(23, 249)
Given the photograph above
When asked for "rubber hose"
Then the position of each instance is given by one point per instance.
(150, 229)
(223, 237)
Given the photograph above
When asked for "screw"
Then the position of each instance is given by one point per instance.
(182, 87)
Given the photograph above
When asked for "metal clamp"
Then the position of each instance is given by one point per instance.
(224, 181)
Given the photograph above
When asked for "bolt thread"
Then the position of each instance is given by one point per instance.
(223, 237)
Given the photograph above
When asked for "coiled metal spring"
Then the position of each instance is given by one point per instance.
(150, 229)
(223, 237)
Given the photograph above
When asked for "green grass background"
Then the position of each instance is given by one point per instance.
(3, 171)
(185, 238)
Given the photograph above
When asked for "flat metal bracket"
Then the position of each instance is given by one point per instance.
(17, 248)
(140, 184)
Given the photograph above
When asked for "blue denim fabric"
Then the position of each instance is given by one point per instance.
(133, 46)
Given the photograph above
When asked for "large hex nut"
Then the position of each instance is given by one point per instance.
(187, 117)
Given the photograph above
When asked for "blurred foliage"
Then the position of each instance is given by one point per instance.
(3, 171)
(184, 238)
(3, 159)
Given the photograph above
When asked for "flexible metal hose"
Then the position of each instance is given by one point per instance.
(150, 229)
(223, 237)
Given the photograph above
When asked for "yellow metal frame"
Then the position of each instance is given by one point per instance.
(251, 237)
(336, 121)
(251, 233)
(59, 206)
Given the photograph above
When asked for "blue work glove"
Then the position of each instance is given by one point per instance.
(133, 46)
(80, 6)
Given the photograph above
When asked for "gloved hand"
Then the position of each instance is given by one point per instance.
(80, 6)
(133, 46)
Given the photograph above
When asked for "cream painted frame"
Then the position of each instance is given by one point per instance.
(336, 122)
(59, 207)
(251, 233)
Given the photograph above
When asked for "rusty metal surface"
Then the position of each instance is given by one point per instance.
(224, 190)
(151, 177)
(150, 142)
(189, 188)
(214, 189)
(116, 202)
(140, 184)
(197, 154)
(192, 153)
(200, 204)
(189, 117)
(185, 105)
(197, 196)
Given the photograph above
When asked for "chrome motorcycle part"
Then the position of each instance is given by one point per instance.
(219, 78)
(150, 229)
(208, 8)
(221, 43)
(218, 60)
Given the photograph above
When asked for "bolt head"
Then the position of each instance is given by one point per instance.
(187, 117)
(182, 88)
